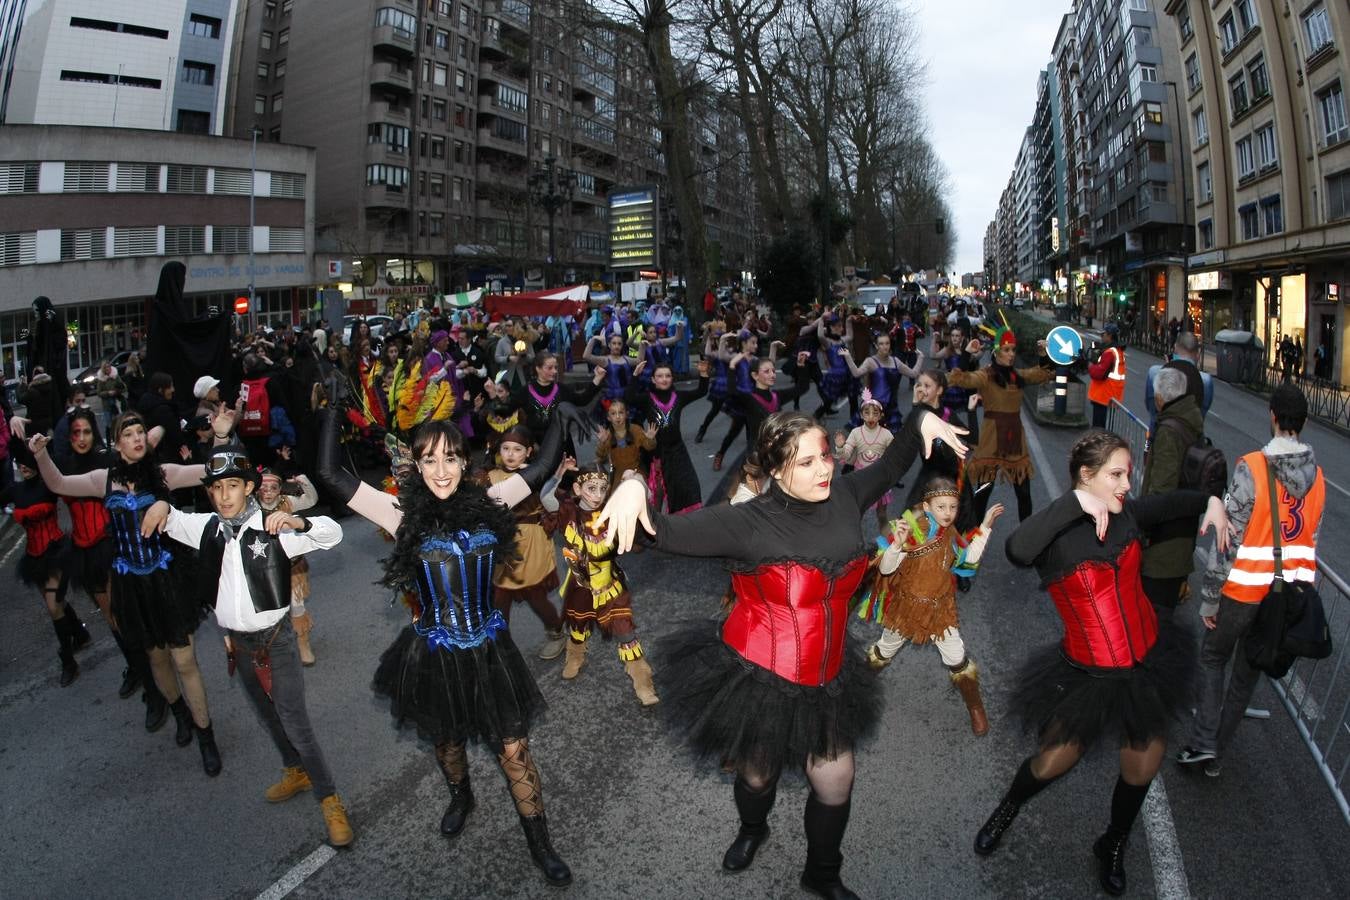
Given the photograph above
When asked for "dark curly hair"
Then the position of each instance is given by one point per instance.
(1091, 452)
(776, 447)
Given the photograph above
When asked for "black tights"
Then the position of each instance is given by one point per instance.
(714, 407)
(1022, 490)
(737, 426)
(522, 776)
(1138, 766)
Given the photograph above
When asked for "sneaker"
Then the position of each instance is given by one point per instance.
(293, 780)
(1189, 756)
(335, 817)
(1213, 768)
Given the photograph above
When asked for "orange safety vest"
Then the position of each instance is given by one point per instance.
(1112, 387)
(1253, 571)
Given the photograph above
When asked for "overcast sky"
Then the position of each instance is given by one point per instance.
(983, 57)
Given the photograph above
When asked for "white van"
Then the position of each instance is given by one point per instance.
(874, 298)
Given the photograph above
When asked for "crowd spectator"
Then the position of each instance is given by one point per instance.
(39, 396)
(160, 411)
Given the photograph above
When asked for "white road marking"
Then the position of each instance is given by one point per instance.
(12, 550)
(1331, 483)
(1164, 850)
(298, 873)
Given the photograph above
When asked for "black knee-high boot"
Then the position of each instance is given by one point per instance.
(1025, 786)
(131, 675)
(65, 636)
(1126, 801)
(825, 827)
(79, 632)
(753, 808)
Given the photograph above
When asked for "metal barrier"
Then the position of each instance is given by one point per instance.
(1328, 401)
(1134, 430)
(1316, 692)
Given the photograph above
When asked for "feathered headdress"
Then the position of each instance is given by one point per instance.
(868, 399)
(1002, 336)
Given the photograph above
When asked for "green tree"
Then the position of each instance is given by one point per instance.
(787, 271)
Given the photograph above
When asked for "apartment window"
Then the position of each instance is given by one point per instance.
(229, 239)
(460, 81)
(198, 72)
(1338, 195)
(286, 6)
(270, 9)
(1272, 214)
(1317, 28)
(285, 240)
(232, 181)
(395, 178)
(186, 179)
(1206, 233)
(120, 27)
(462, 153)
(84, 243)
(1246, 161)
(265, 40)
(442, 39)
(1237, 94)
(1260, 79)
(1204, 180)
(462, 119)
(264, 71)
(462, 48)
(511, 98)
(1246, 14)
(281, 69)
(1229, 32)
(274, 134)
(437, 224)
(443, 7)
(1185, 26)
(437, 185)
(1141, 5)
(283, 37)
(438, 110)
(1250, 222)
(1267, 155)
(106, 78)
(394, 137)
(260, 104)
(403, 22)
(467, 17)
(457, 189)
(203, 26)
(288, 184)
(180, 240)
(192, 121)
(1331, 105)
(440, 75)
(1148, 73)
(438, 148)
(18, 248)
(1200, 127)
(1192, 73)
(22, 177)
(276, 103)
(137, 177)
(85, 176)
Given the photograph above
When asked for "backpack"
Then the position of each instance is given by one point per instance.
(1203, 466)
(257, 418)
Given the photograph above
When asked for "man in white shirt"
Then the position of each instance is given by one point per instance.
(249, 558)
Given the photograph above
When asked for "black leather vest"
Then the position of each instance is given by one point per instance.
(267, 568)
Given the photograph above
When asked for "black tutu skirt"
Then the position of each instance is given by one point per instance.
(89, 567)
(484, 693)
(34, 570)
(162, 609)
(729, 709)
(1065, 703)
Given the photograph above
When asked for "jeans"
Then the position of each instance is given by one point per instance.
(1099, 414)
(285, 715)
(1220, 710)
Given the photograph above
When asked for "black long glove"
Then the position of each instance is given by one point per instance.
(341, 483)
(566, 418)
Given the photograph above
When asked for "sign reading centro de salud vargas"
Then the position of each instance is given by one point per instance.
(632, 228)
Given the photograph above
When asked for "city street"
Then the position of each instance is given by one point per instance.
(97, 807)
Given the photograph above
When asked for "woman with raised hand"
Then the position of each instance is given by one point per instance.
(455, 673)
(744, 695)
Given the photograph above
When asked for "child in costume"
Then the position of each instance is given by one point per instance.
(620, 446)
(914, 596)
(595, 590)
(534, 573)
(865, 444)
(292, 495)
(247, 552)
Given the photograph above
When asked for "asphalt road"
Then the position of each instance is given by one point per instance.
(96, 807)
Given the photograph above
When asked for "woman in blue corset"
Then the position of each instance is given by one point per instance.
(455, 673)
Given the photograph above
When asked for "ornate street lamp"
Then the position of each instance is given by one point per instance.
(551, 188)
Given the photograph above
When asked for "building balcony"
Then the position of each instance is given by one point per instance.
(380, 153)
(383, 197)
(488, 140)
(514, 14)
(503, 73)
(393, 40)
(500, 177)
(488, 106)
(381, 111)
(390, 77)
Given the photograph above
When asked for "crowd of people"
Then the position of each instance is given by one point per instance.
(476, 442)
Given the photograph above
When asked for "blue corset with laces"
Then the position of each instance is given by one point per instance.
(135, 555)
(454, 587)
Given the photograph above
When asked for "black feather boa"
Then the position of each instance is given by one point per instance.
(469, 509)
(146, 475)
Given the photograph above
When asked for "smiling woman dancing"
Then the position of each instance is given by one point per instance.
(775, 688)
(455, 673)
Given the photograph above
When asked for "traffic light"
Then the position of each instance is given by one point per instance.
(940, 226)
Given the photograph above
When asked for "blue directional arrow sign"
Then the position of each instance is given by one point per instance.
(1063, 345)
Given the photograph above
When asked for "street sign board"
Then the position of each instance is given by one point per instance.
(633, 232)
(1063, 345)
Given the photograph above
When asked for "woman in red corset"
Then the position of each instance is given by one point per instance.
(775, 687)
(1116, 670)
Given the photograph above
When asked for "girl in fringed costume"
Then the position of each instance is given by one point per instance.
(534, 574)
(292, 495)
(914, 595)
(595, 592)
(619, 447)
(1001, 453)
(865, 445)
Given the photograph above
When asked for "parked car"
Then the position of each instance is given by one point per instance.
(1019, 302)
(88, 376)
(875, 298)
(376, 324)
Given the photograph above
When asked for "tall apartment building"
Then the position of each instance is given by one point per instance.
(437, 132)
(1265, 93)
(150, 64)
(1049, 167)
(1075, 224)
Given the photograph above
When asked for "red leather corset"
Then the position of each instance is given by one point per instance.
(1108, 622)
(790, 618)
(39, 522)
(88, 520)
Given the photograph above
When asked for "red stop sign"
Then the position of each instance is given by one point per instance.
(241, 306)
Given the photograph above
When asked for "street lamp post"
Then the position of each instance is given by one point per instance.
(551, 188)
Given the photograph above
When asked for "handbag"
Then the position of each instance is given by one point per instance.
(1291, 621)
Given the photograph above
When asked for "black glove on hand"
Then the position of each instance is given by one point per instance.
(339, 481)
